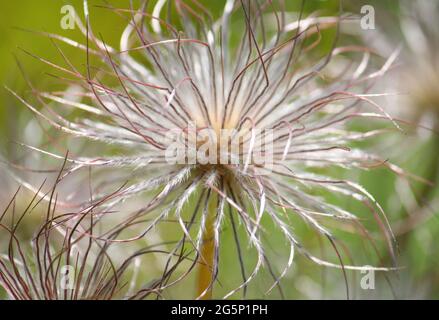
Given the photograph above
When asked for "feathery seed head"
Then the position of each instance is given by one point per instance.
(66, 259)
(245, 116)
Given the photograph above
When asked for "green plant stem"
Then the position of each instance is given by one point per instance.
(207, 253)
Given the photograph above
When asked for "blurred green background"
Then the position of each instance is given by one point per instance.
(418, 232)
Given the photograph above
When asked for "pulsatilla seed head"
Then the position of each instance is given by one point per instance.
(254, 71)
